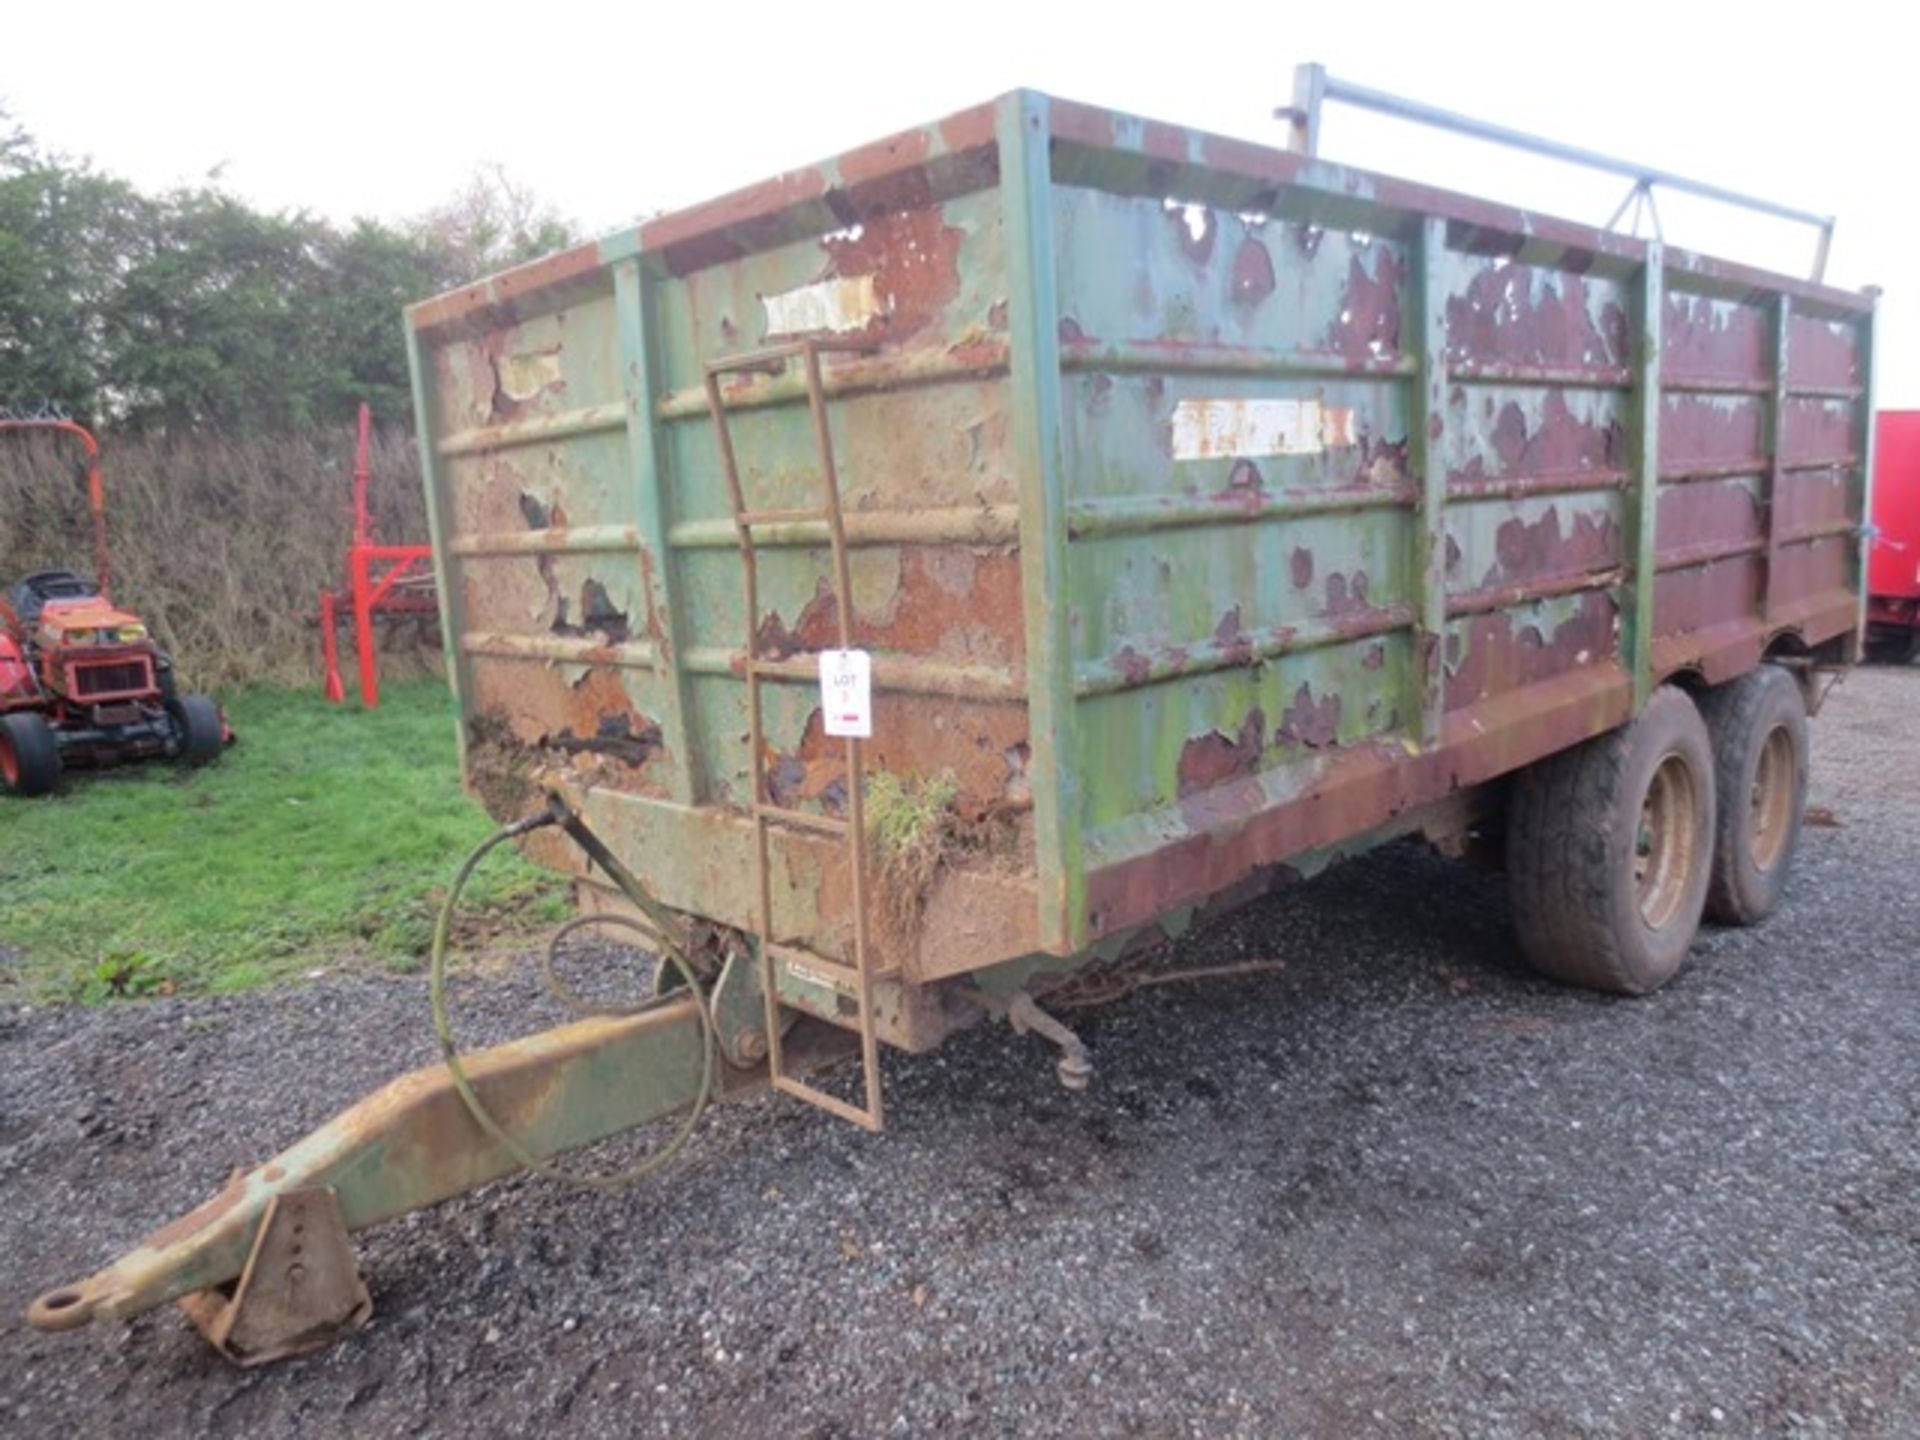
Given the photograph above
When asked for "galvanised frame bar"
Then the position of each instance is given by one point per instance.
(1313, 87)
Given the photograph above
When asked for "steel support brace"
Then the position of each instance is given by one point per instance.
(1777, 454)
(1026, 188)
(1426, 428)
(633, 303)
(407, 1146)
(1643, 496)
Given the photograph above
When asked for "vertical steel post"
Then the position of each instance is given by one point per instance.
(639, 379)
(1303, 119)
(1643, 496)
(1776, 455)
(440, 532)
(1034, 381)
(1426, 424)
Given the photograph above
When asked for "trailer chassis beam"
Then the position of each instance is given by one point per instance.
(408, 1145)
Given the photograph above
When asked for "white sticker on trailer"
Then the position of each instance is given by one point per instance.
(1233, 429)
(846, 692)
(849, 303)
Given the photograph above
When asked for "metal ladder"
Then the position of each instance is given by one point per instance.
(852, 827)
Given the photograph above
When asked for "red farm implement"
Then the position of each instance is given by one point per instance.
(1893, 573)
(403, 588)
(81, 680)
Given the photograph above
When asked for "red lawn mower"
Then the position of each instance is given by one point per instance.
(81, 681)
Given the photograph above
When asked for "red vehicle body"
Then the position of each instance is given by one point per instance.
(1893, 567)
(81, 680)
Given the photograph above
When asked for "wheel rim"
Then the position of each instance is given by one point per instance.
(1770, 807)
(1666, 845)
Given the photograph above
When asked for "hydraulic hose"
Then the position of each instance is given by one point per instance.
(670, 949)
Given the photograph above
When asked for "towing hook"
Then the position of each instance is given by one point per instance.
(1023, 1013)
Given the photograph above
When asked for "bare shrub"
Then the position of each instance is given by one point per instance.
(222, 543)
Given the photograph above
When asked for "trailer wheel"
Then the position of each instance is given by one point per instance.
(1758, 726)
(1609, 848)
(198, 733)
(29, 754)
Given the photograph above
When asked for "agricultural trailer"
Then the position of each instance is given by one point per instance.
(82, 682)
(908, 585)
(381, 580)
(1893, 570)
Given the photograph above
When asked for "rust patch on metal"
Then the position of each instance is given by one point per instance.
(1300, 567)
(1822, 352)
(1714, 339)
(1700, 430)
(1312, 721)
(1707, 595)
(1235, 644)
(1813, 497)
(1499, 655)
(1505, 317)
(1196, 228)
(1253, 278)
(951, 602)
(1206, 760)
(1706, 513)
(914, 259)
(1818, 430)
(599, 616)
(494, 300)
(1533, 551)
(1346, 595)
(1368, 326)
(1381, 461)
(1561, 443)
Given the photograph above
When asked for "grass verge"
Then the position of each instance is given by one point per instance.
(326, 836)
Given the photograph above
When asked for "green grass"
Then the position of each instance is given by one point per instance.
(325, 837)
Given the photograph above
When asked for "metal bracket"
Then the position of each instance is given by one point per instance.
(301, 1289)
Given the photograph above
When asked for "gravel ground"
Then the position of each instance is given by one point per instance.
(1398, 1187)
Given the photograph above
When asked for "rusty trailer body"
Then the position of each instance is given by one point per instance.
(1209, 512)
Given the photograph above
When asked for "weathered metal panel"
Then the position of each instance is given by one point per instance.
(1207, 505)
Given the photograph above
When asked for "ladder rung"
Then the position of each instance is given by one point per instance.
(797, 515)
(825, 824)
(833, 1104)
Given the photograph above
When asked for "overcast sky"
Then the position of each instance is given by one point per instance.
(612, 111)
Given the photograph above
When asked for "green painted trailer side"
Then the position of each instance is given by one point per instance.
(1212, 509)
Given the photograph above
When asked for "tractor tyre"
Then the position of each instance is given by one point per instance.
(29, 754)
(198, 731)
(1758, 724)
(1609, 849)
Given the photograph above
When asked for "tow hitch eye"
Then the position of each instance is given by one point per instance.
(1024, 1014)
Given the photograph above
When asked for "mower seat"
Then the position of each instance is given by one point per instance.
(31, 594)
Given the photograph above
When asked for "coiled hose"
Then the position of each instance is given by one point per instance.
(671, 950)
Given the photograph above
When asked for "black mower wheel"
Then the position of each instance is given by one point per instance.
(29, 755)
(198, 733)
